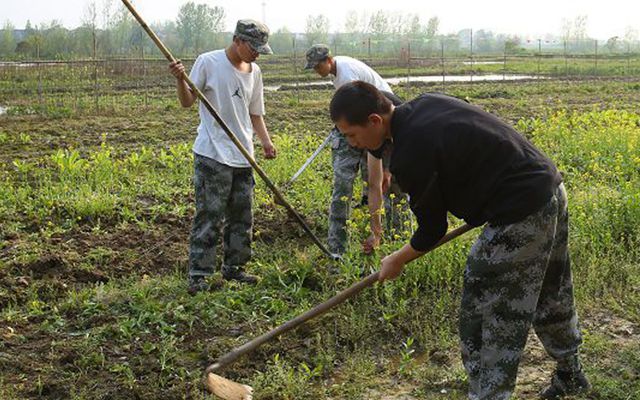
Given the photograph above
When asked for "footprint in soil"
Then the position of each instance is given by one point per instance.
(54, 266)
(48, 266)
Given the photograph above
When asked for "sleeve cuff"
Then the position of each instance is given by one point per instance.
(422, 243)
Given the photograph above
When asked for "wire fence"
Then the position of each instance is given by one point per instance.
(95, 85)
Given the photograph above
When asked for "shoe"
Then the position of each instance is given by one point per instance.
(196, 285)
(201, 284)
(238, 274)
(565, 384)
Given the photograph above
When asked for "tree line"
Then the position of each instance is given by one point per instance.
(108, 30)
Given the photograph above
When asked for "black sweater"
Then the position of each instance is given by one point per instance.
(452, 156)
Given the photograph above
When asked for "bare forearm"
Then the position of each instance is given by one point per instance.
(260, 128)
(375, 209)
(185, 95)
(407, 253)
(261, 131)
(393, 264)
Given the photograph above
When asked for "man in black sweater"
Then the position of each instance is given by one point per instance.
(450, 156)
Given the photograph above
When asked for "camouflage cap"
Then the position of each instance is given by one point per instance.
(316, 54)
(254, 32)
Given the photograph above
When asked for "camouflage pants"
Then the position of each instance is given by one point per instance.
(224, 197)
(518, 275)
(346, 161)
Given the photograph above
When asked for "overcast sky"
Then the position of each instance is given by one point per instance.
(528, 18)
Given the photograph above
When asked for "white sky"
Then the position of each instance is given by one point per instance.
(527, 18)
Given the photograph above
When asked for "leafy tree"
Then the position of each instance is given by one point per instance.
(54, 40)
(612, 44)
(7, 40)
(354, 28)
(281, 41)
(483, 41)
(198, 24)
(121, 26)
(512, 44)
(317, 29)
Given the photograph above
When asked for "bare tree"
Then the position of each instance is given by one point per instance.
(580, 27)
(630, 35)
(414, 29)
(567, 29)
(397, 24)
(90, 25)
(433, 25)
(351, 22)
(379, 25)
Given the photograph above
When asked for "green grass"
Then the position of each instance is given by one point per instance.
(93, 239)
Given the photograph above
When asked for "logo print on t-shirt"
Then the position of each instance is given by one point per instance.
(237, 93)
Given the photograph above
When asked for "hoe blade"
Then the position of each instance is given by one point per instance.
(227, 389)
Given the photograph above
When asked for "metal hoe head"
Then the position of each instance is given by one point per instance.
(227, 389)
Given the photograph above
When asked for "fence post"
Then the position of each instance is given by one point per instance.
(628, 58)
(566, 61)
(595, 68)
(539, 57)
(443, 68)
(504, 63)
(144, 77)
(40, 91)
(295, 68)
(95, 76)
(409, 63)
(471, 50)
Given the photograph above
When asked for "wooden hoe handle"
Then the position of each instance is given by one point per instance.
(317, 310)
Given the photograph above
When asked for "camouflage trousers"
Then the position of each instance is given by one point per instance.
(346, 160)
(224, 197)
(518, 275)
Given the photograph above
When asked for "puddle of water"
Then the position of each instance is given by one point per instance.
(459, 78)
(483, 62)
(428, 78)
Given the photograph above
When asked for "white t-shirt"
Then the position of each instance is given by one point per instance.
(349, 69)
(235, 95)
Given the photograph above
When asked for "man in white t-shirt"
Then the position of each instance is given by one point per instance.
(223, 178)
(347, 159)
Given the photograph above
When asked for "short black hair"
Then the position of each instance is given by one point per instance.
(355, 101)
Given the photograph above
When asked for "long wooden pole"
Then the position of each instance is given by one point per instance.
(231, 135)
(317, 310)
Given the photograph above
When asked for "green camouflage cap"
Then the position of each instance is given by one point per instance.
(254, 32)
(316, 54)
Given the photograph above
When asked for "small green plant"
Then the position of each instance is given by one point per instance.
(24, 138)
(406, 356)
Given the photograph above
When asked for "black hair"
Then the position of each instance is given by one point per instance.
(355, 101)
